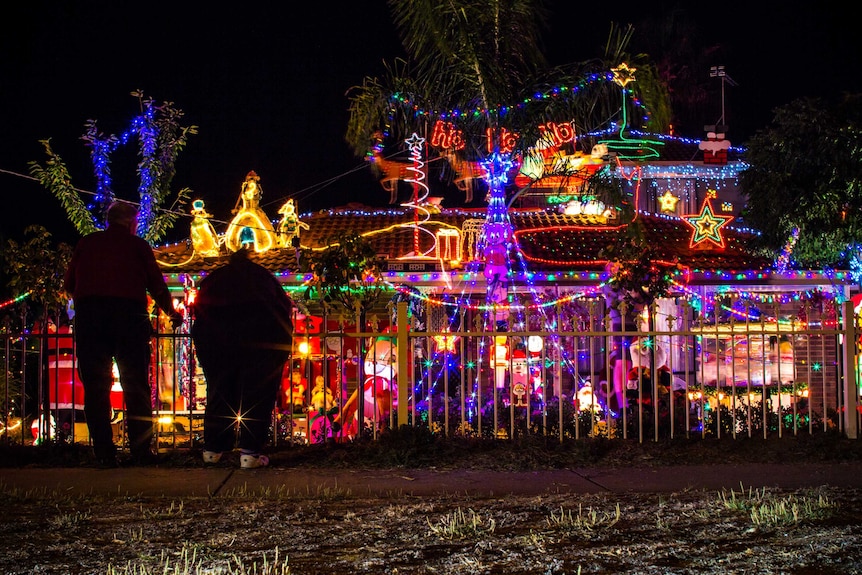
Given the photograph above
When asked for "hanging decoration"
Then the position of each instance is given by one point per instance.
(623, 74)
(445, 342)
(784, 257)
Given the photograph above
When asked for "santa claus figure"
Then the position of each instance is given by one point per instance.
(380, 370)
(378, 390)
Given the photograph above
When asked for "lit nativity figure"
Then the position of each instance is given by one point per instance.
(322, 409)
(290, 226)
(204, 237)
(293, 386)
(252, 217)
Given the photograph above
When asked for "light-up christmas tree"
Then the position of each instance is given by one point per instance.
(478, 90)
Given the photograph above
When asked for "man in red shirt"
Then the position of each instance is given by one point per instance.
(109, 277)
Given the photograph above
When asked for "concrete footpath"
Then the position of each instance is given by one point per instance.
(169, 481)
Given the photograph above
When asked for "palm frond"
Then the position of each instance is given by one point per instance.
(54, 176)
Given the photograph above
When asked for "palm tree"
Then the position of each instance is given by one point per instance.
(479, 65)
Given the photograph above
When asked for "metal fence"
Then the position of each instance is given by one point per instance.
(679, 378)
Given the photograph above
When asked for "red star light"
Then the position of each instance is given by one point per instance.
(707, 226)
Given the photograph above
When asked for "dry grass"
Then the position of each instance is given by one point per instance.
(708, 533)
(336, 531)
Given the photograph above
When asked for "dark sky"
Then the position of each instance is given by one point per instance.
(265, 82)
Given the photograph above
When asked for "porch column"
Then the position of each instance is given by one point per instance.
(851, 392)
(404, 375)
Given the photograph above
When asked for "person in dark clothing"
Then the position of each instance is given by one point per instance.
(108, 278)
(242, 332)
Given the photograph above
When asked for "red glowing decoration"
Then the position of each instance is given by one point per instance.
(557, 134)
(707, 226)
(505, 141)
(445, 135)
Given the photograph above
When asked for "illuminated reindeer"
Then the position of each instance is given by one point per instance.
(465, 172)
(392, 172)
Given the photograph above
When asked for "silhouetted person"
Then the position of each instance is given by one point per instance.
(109, 277)
(242, 332)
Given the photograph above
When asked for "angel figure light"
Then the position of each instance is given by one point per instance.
(205, 241)
(250, 216)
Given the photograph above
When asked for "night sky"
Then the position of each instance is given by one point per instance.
(265, 82)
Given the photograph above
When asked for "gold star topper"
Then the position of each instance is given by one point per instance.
(623, 74)
(668, 202)
(707, 226)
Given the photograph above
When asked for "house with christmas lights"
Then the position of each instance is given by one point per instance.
(513, 308)
(593, 282)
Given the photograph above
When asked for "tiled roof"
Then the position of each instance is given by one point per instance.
(578, 247)
(548, 240)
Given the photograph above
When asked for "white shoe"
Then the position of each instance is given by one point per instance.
(212, 456)
(248, 461)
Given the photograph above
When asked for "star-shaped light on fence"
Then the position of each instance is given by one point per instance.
(668, 202)
(707, 226)
(445, 343)
(623, 74)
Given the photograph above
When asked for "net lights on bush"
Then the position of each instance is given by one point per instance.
(144, 128)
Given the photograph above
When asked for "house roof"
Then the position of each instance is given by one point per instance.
(548, 240)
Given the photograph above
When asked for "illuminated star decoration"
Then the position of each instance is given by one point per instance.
(668, 202)
(445, 343)
(623, 74)
(496, 169)
(707, 226)
(415, 142)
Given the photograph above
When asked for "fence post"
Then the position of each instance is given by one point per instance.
(850, 391)
(403, 326)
